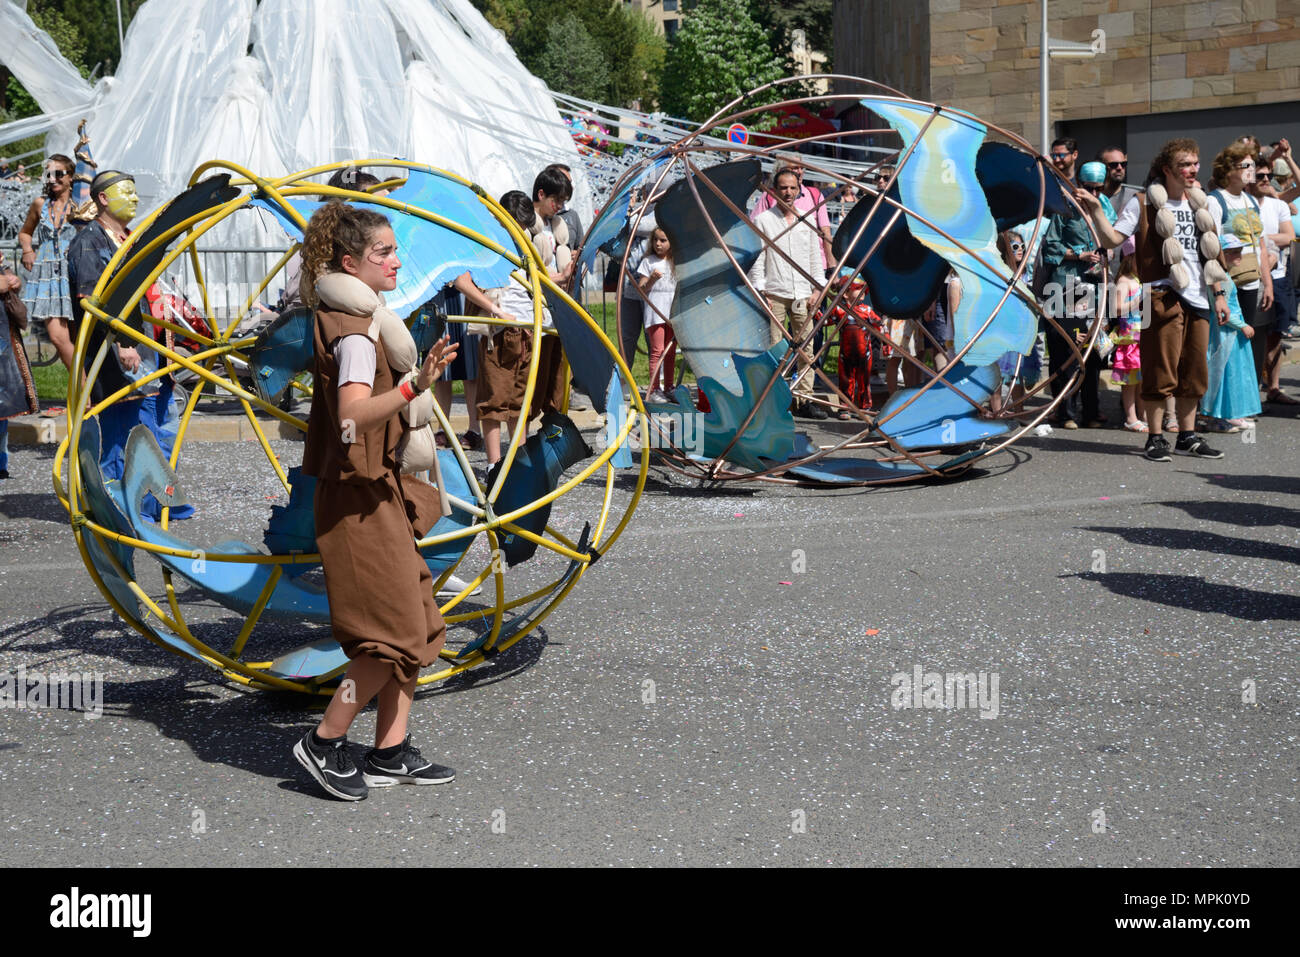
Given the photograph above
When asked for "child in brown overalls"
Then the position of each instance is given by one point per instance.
(382, 607)
(506, 355)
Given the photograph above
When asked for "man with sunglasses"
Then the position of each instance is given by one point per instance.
(1064, 154)
(1115, 189)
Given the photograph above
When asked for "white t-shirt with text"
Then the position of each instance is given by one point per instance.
(1186, 234)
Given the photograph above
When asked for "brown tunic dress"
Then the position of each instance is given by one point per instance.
(368, 518)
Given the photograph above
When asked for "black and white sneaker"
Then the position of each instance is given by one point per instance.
(332, 767)
(1157, 449)
(1192, 444)
(407, 766)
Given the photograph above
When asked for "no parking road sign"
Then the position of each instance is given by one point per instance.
(736, 133)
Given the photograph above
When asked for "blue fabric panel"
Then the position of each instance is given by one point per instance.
(617, 409)
(317, 658)
(590, 359)
(282, 351)
(715, 315)
(770, 434)
(431, 255)
(941, 417)
(938, 182)
(1009, 178)
(536, 471)
(903, 276)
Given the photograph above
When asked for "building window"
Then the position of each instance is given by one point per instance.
(670, 6)
(670, 28)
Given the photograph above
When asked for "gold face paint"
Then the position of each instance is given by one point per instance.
(123, 200)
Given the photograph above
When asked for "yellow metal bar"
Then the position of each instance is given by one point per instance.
(261, 436)
(256, 613)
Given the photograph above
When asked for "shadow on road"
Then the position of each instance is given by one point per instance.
(250, 730)
(1182, 540)
(1248, 514)
(1255, 483)
(1196, 594)
(42, 507)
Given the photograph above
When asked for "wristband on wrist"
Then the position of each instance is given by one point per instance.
(408, 390)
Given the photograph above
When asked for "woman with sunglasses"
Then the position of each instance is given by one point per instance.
(1238, 213)
(45, 238)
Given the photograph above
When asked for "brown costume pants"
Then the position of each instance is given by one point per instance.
(1174, 348)
(503, 375)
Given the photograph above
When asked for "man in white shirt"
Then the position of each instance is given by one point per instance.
(1175, 340)
(787, 274)
(1279, 234)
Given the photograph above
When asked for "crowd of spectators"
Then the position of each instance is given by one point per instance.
(1195, 260)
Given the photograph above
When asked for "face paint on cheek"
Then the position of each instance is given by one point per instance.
(123, 201)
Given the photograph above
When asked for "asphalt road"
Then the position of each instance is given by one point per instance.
(1120, 604)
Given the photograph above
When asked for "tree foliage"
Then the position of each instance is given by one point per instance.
(719, 53)
(571, 61)
(508, 16)
(629, 47)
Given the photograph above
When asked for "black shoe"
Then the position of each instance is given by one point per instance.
(4, 473)
(1195, 446)
(811, 410)
(407, 766)
(332, 767)
(1157, 449)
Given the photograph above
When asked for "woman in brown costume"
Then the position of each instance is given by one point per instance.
(382, 607)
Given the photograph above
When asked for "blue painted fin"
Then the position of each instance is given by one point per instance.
(536, 470)
(282, 351)
(525, 620)
(941, 418)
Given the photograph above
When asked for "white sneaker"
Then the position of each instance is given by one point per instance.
(454, 586)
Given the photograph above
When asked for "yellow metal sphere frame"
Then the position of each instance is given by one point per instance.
(219, 353)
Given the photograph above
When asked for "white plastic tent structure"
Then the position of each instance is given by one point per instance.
(289, 84)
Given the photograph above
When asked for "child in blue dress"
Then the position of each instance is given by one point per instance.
(1232, 393)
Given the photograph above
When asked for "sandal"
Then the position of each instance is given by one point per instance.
(844, 416)
(1171, 423)
(1136, 426)
(472, 441)
(1279, 397)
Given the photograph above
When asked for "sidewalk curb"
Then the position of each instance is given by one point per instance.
(39, 430)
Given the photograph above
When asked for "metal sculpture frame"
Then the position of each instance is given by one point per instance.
(679, 159)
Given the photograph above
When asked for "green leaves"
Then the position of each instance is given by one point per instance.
(719, 53)
(572, 62)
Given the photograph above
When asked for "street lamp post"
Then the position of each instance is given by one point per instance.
(1061, 50)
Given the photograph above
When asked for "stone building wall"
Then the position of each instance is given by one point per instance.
(1161, 56)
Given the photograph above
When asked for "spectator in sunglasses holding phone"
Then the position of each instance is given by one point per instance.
(44, 239)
